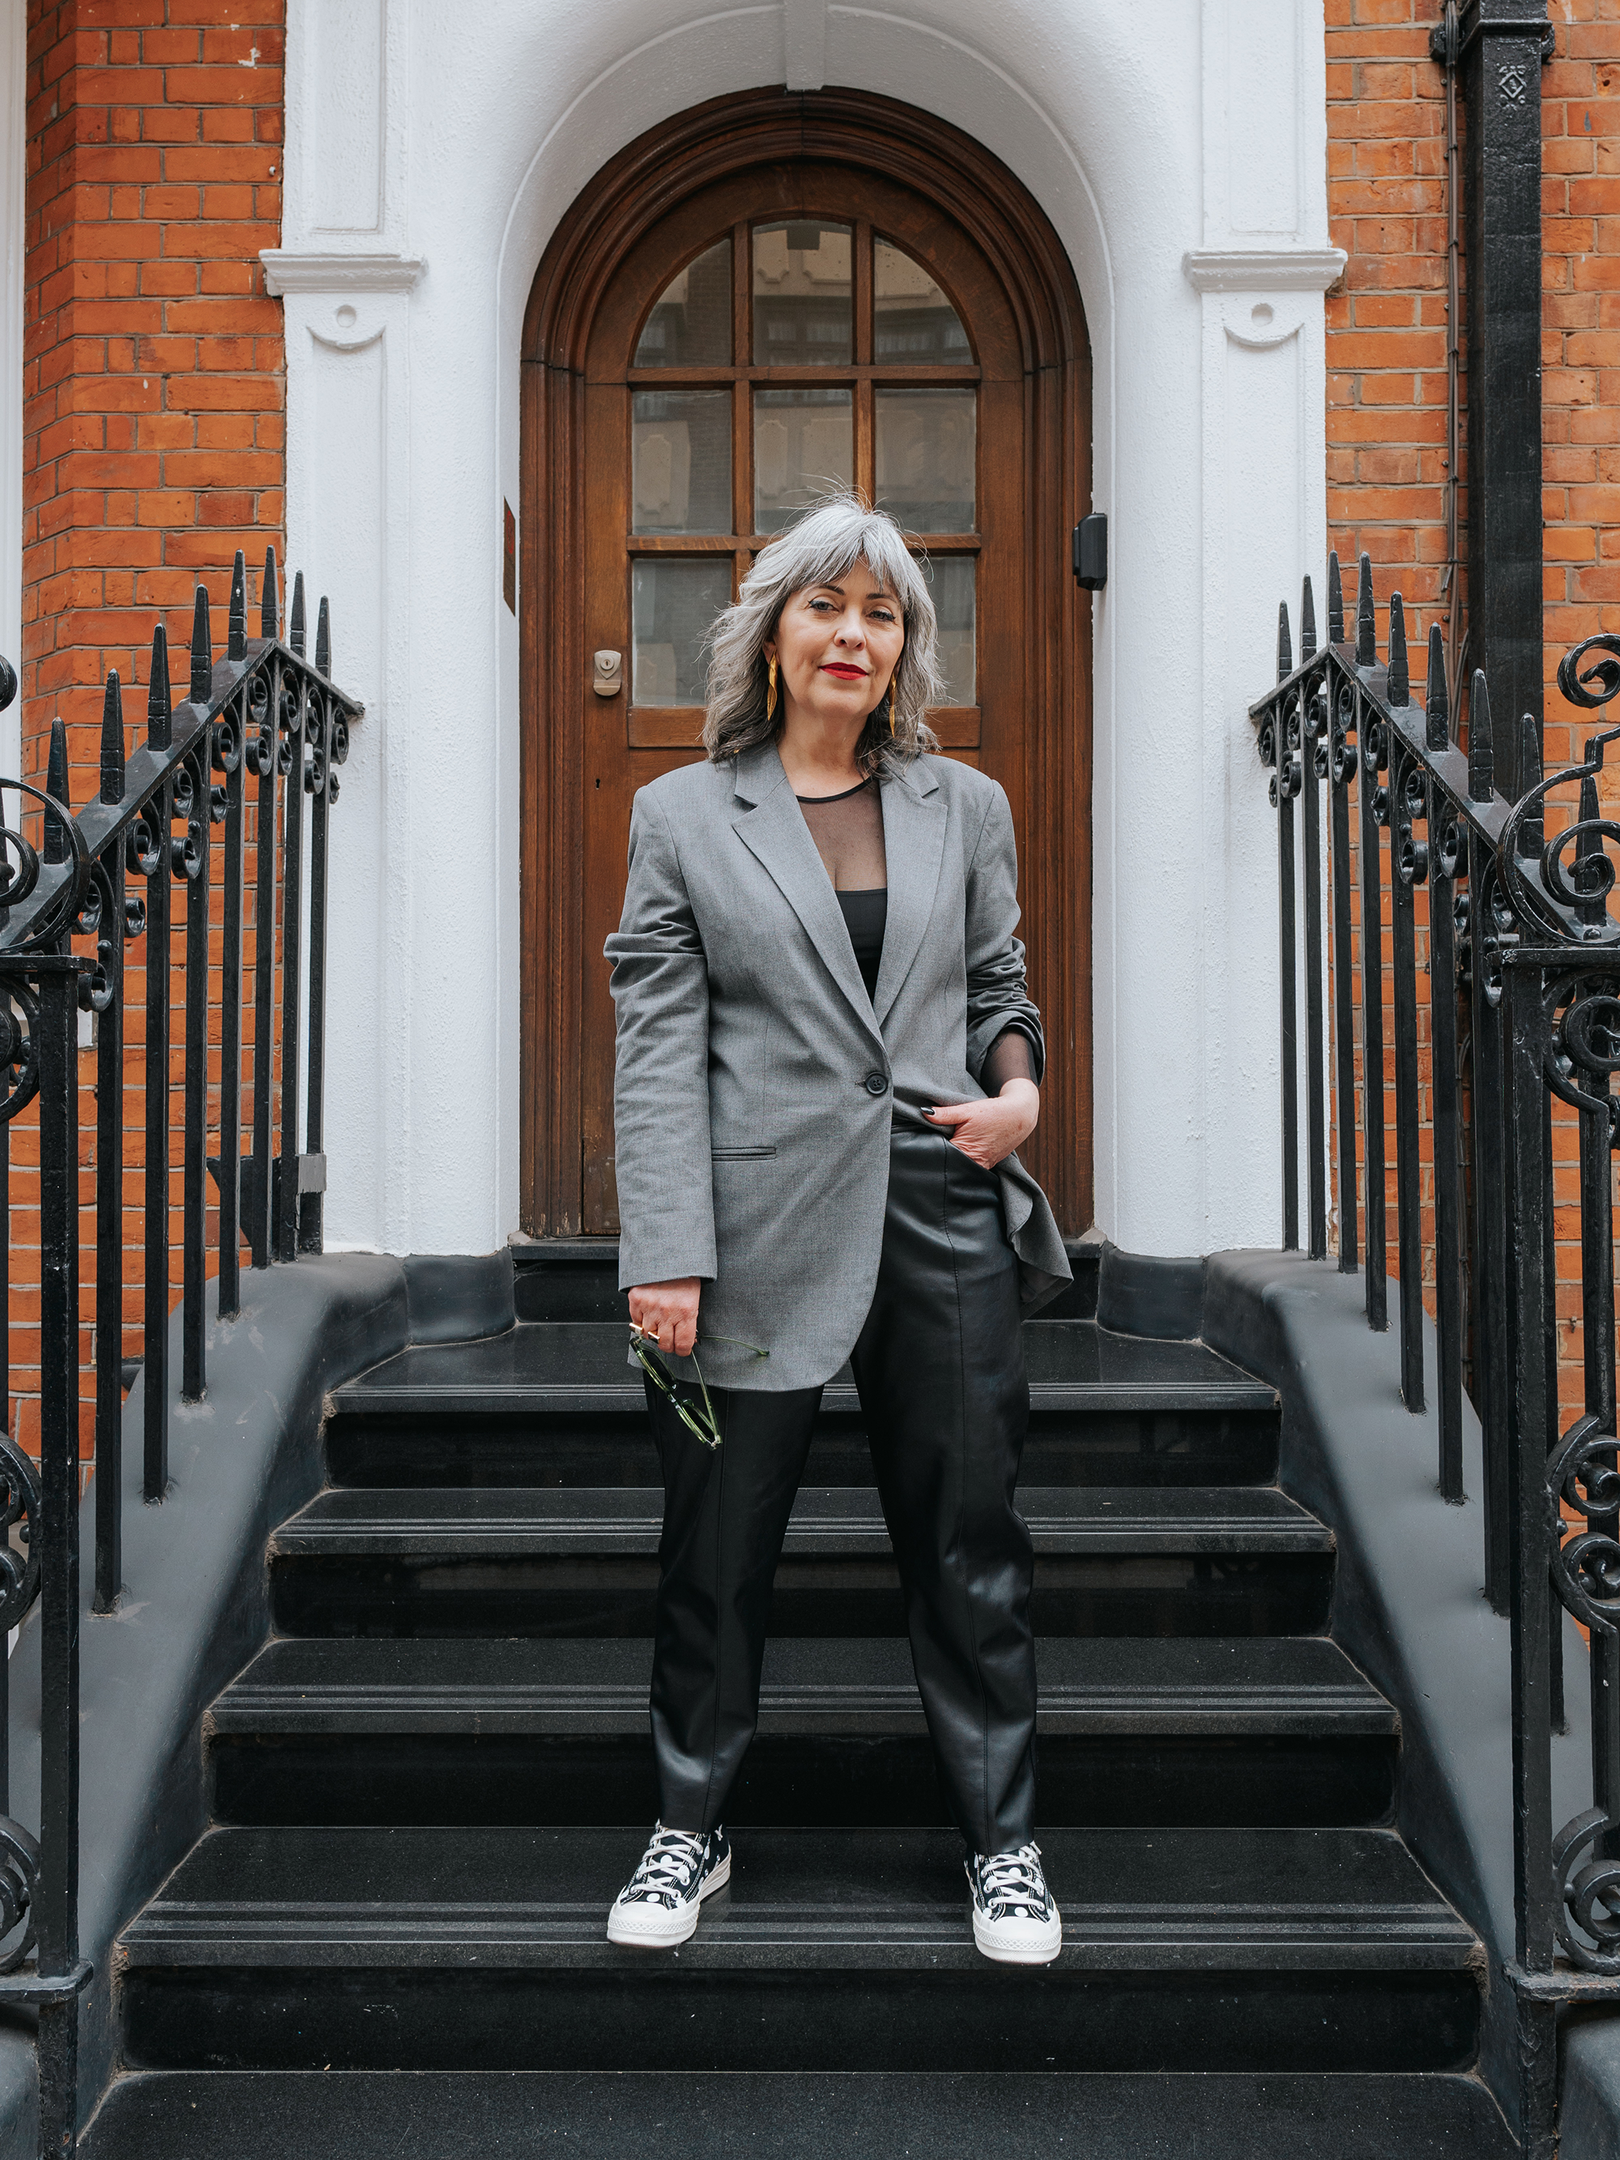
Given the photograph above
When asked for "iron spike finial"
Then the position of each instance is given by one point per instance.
(1533, 832)
(269, 598)
(202, 649)
(1437, 701)
(236, 621)
(158, 711)
(1398, 688)
(56, 786)
(1335, 601)
(1366, 621)
(112, 740)
(295, 627)
(1307, 623)
(323, 640)
(1481, 749)
(1285, 650)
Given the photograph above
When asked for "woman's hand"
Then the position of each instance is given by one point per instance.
(986, 1131)
(667, 1313)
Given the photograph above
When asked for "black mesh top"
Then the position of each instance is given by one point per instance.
(848, 832)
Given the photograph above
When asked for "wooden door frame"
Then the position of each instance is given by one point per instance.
(637, 188)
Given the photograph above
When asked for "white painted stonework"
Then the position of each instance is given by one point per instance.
(1179, 153)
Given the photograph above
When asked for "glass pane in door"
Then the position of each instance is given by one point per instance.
(925, 453)
(953, 583)
(691, 324)
(804, 309)
(680, 461)
(673, 602)
(804, 444)
(911, 317)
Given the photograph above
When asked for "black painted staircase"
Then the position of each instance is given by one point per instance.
(428, 1787)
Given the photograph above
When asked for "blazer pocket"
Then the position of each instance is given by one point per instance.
(740, 1154)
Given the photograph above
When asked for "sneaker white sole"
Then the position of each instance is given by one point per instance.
(1030, 1946)
(628, 1925)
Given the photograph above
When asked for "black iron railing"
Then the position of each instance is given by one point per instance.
(1524, 950)
(261, 730)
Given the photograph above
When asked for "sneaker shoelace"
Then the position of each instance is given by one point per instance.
(668, 1868)
(1012, 1885)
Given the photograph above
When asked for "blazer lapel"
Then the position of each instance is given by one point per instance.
(914, 822)
(771, 825)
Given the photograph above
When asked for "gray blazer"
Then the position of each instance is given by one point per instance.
(756, 1081)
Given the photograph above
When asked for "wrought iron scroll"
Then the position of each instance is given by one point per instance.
(1522, 984)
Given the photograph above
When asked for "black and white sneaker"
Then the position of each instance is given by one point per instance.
(658, 1906)
(1015, 1918)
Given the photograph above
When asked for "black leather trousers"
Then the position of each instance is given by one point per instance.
(940, 1369)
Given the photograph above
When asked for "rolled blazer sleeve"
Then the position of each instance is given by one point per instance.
(997, 998)
(660, 986)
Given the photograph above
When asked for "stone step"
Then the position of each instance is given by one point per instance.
(829, 2115)
(833, 1949)
(542, 1560)
(1159, 1730)
(557, 1403)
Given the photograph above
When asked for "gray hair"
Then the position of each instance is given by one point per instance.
(833, 535)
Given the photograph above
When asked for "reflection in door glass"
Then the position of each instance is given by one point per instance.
(803, 305)
(952, 581)
(911, 317)
(673, 604)
(804, 444)
(925, 458)
(691, 325)
(680, 461)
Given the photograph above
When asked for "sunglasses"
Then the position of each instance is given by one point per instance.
(697, 1416)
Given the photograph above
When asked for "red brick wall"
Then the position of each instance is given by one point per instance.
(1386, 320)
(154, 395)
(1580, 202)
(1387, 372)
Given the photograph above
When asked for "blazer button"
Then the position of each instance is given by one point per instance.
(876, 1084)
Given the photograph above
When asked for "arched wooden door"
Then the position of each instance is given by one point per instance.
(773, 295)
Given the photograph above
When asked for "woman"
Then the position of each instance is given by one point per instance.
(826, 1058)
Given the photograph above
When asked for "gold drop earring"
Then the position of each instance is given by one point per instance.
(770, 695)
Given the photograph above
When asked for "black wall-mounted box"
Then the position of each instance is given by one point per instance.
(1091, 551)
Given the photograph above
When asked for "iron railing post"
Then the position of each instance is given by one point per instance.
(321, 782)
(154, 861)
(1409, 864)
(229, 753)
(109, 1481)
(285, 1241)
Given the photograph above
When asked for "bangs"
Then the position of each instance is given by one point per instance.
(827, 543)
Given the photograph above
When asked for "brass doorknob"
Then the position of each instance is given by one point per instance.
(608, 679)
